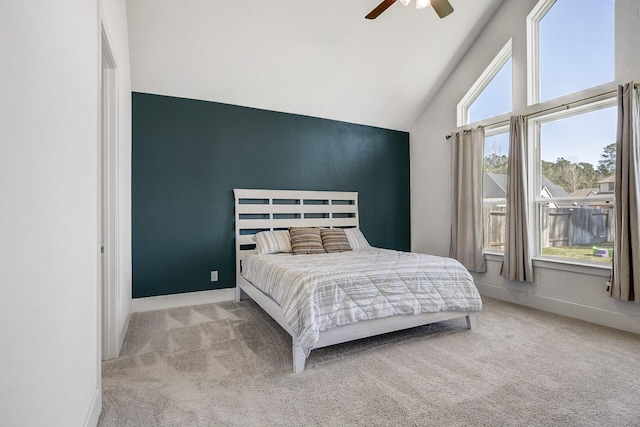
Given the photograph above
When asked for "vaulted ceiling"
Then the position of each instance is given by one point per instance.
(318, 58)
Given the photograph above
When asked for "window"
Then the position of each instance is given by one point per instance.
(572, 151)
(490, 95)
(494, 187)
(570, 138)
(574, 216)
(570, 47)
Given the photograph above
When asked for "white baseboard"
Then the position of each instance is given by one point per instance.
(595, 315)
(182, 300)
(94, 410)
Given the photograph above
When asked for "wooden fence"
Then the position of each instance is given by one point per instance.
(560, 226)
(494, 226)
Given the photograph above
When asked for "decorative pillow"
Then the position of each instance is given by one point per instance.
(334, 240)
(306, 240)
(273, 242)
(356, 239)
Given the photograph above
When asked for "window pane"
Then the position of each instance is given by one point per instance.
(576, 46)
(583, 232)
(577, 152)
(495, 98)
(496, 151)
(578, 161)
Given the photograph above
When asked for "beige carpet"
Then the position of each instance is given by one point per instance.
(229, 364)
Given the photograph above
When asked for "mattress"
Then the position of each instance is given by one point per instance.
(324, 291)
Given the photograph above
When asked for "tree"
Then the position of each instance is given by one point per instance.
(570, 176)
(607, 162)
(589, 175)
(495, 162)
(564, 173)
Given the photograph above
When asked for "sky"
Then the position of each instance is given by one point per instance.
(576, 52)
(579, 138)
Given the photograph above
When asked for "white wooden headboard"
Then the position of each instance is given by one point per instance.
(261, 210)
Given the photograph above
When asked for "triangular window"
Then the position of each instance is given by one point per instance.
(491, 94)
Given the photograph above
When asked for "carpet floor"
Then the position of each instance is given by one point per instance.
(229, 364)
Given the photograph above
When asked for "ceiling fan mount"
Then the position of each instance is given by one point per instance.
(442, 7)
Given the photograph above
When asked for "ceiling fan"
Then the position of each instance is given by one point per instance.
(442, 7)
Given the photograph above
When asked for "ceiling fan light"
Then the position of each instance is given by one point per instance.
(405, 2)
(421, 4)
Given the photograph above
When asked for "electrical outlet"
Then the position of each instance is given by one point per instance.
(214, 275)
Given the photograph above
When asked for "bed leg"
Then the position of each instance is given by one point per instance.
(471, 321)
(299, 359)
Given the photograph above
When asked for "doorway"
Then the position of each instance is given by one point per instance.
(108, 204)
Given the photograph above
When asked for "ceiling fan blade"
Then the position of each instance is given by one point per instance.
(442, 7)
(379, 9)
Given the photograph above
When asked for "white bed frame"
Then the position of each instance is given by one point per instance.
(259, 210)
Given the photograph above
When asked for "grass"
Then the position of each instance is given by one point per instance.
(582, 252)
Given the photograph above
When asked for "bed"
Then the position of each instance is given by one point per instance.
(321, 300)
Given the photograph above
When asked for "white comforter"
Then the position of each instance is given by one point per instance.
(319, 292)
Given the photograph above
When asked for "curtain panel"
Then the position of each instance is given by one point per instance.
(467, 150)
(625, 276)
(516, 264)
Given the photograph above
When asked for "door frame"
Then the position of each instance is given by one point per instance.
(108, 194)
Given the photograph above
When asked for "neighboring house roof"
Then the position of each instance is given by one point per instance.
(609, 179)
(585, 192)
(554, 189)
(494, 186)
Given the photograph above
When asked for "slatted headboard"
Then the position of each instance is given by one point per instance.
(261, 210)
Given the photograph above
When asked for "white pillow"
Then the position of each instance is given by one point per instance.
(356, 239)
(273, 242)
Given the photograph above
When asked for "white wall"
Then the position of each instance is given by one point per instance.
(49, 356)
(114, 22)
(315, 58)
(577, 292)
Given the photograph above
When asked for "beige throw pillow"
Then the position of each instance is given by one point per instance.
(306, 240)
(334, 240)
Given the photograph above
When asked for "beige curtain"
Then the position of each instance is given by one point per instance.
(516, 264)
(467, 150)
(625, 280)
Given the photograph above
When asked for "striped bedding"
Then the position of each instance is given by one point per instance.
(319, 292)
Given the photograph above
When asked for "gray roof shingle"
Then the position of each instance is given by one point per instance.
(494, 186)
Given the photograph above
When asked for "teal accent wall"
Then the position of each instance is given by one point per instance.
(189, 155)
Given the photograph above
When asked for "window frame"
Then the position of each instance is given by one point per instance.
(533, 19)
(533, 143)
(483, 81)
(533, 49)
